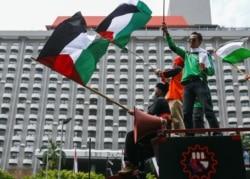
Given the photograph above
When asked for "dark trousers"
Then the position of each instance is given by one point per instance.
(200, 90)
(140, 151)
(198, 117)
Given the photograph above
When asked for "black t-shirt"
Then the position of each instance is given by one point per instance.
(159, 106)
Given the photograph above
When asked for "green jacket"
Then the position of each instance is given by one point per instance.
(191, 61)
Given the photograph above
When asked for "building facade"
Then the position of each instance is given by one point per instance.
(35, 99)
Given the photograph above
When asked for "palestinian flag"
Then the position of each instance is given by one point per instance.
(71, 51)
(126, 18)
(233, 51)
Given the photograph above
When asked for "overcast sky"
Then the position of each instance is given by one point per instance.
(35, 14)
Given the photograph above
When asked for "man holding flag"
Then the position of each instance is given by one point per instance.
(198, 65)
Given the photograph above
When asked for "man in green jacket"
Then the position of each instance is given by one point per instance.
(198, 64)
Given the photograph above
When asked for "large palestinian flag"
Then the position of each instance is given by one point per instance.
(126, 18)
(71, 51)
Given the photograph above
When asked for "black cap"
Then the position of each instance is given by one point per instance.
(163, 87)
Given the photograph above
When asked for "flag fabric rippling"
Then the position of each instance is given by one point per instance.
(71, 51)
(233, 52)
(126, 18)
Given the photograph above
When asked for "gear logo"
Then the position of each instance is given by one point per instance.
(198, 162)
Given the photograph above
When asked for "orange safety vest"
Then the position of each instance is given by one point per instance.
(176, 89)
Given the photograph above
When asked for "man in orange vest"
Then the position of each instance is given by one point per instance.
(175, 93)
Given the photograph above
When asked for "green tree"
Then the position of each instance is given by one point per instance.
(245, 139)
(52, 153)
(65, 174)
(5, 175)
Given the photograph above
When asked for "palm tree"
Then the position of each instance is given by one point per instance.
(51, 153)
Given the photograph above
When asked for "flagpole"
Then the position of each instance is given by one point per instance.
(239, 70)
(141, 59)
(99, 93)
(163, 15)
(106, 97)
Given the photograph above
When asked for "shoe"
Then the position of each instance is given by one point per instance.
(129, 168)
(217, 134)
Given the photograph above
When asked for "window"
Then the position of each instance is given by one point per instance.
(5, 110)
(227, 72)
(8, 90)
(246, 114)
(230, 103)
(109, 123)
(23, 90)
(77, 134)
(48, 133)
(22, 100)
(30, 144)
(32, 122)
(122, 134)
(91, 133)
(34, 111)
(122, 123)
(11, 70)
(110, 91)
(36, 90)
(52, 91)
(15, 143)
(35, 100)
(65, 91)
(107, 145)
(2, 132)
(31, 133)
(28, 155)
(122, 113)
(78, 123)
(123, 101)
(51, 101)
(17, 132)
(77, 145)
(92, 146)
(92, 112)
(63, 111)
(3, 121)
(6, 100)
(37, 81)
(229, 93)
(20, 111)
(231, 114)
(14, 155)
(120, 145)
(93, 101)
(244, 93)
(108, 134)
(79, 111)
(64, 101)
(80, 91)
(25, 80)
(244, 103)
(39, 71)
(80, 101)
(1, 143)
(48, 122)
(109, 112)
(228, 83)
(92, 122)
(19, 121)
